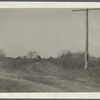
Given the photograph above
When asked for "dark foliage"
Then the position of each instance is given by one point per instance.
(68, 61)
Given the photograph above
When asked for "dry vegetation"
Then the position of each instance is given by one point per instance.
(62, 74)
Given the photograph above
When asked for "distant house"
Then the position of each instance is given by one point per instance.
(38, 57)
(51, 58)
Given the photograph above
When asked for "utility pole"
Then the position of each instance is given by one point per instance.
(87, 42)
(87, 33)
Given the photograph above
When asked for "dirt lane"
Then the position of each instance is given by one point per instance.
(14, 82)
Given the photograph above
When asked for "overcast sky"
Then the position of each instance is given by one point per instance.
(47, 31)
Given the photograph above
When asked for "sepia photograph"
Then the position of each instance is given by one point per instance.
(49, 50)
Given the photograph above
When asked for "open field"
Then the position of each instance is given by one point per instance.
(47, 77)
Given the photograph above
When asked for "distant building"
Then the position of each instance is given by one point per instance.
(38, 57)
(51, 58)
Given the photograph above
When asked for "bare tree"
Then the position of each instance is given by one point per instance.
(2, 53)
(32, 54)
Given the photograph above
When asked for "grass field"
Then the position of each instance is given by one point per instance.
(47, 77)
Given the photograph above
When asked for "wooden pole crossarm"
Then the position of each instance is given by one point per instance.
(84, 9)
(87, 31)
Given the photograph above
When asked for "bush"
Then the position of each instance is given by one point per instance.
(71, 61)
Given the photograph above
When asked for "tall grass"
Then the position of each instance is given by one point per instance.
(68, 61)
